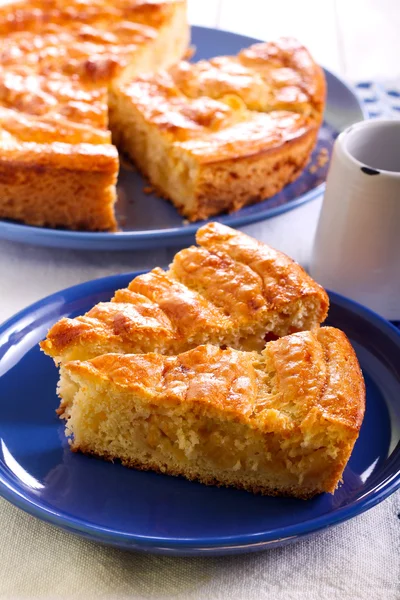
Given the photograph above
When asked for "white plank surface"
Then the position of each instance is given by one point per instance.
(369, 32)
(311, 21)
(358, 39)
(204, 12)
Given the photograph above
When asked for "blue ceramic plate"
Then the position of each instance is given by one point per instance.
(146, 511)
(147, 221)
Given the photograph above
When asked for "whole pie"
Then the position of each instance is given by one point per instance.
(211, 137)
(58, 59)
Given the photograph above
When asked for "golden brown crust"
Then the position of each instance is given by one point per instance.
(58, 155)
(23, 127)
(54, 96)
(289, 66)
(224, 292)
(322, 369)
(215, 378)
(343, 399)
(90, 40)
(279, 75)
(260, 135)
(210, 130)
(228, 284)
(282, 278)
(191, 314)
(130, 323)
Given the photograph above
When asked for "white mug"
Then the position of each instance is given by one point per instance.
(357, 244)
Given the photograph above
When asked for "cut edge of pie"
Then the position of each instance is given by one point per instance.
(59, 185)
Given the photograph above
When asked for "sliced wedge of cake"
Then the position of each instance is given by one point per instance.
(231, 290)
(283, 421)
(220, 134)
(58, 184)
(57, 165)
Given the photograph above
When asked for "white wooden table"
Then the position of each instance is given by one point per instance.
(358, 39)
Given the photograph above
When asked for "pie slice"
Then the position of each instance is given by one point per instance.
(230, 290)
(280, 422)
(58, 184)
(58, 59)
(57, 165)
(220, 134)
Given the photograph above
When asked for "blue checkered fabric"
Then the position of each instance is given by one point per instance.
(382, 100)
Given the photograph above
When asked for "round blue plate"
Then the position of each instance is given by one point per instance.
(156, 513)
(147, 221)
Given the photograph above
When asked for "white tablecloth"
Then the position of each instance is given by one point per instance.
(356, 560)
